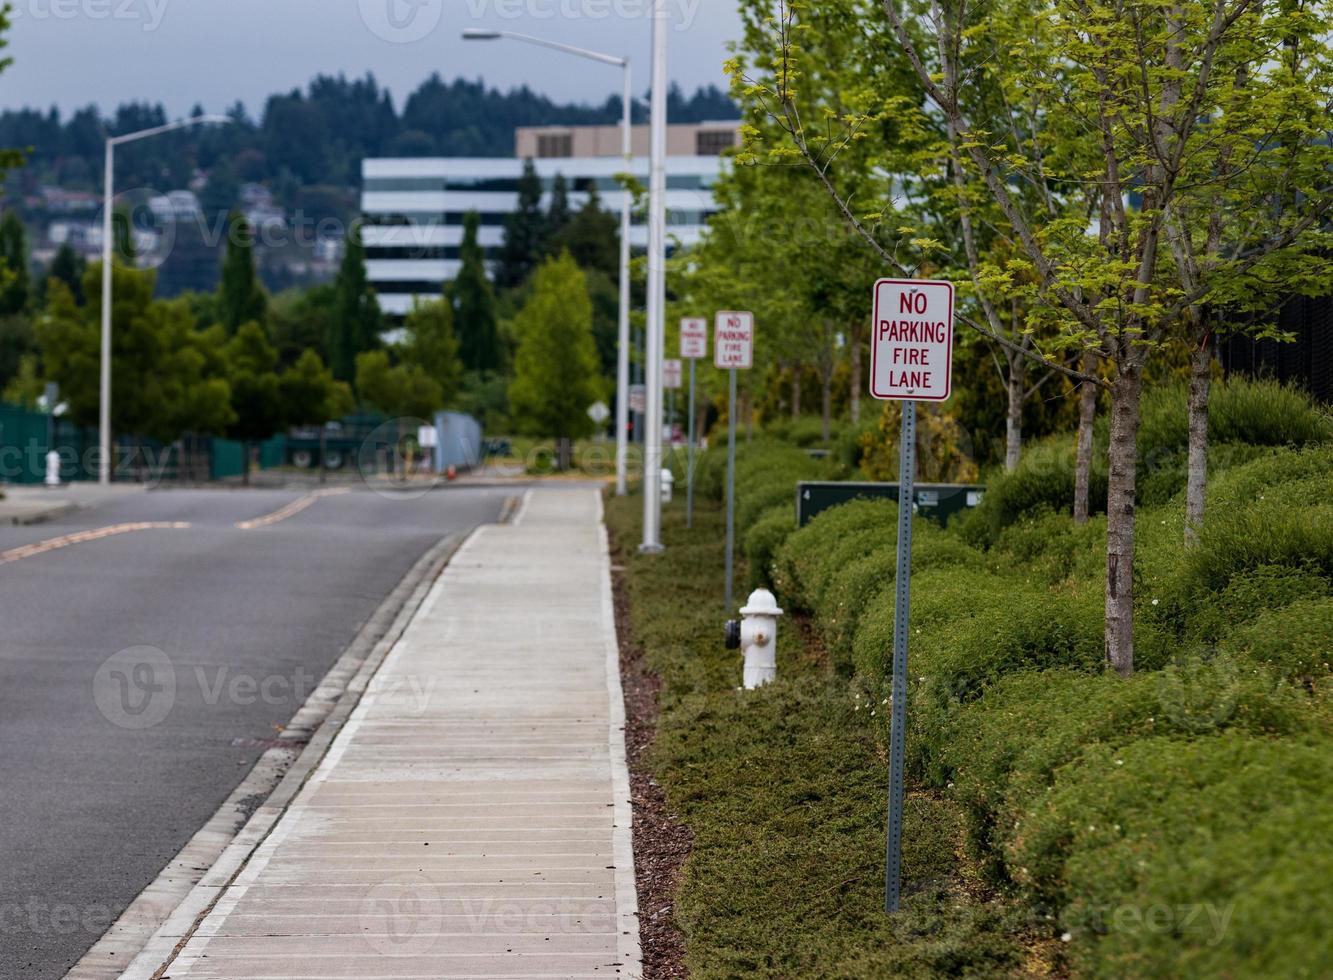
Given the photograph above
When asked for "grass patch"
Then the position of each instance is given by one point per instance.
(784, 792)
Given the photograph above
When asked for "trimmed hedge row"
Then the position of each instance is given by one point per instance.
(1077, 784)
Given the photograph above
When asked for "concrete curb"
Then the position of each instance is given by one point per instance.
(157, 924)
(16, 513)
(627, 893)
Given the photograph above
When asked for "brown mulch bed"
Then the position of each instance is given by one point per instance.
(661, 843)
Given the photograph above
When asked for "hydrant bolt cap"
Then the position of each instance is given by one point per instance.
(761, 603)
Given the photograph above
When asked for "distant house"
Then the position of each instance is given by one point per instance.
(181, 205)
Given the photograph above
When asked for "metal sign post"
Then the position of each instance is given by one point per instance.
(671, 381)
(911, 360)
(733, 350)
(689, 464)
(693, 345)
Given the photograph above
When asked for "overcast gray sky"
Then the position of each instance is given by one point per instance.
(72, 52)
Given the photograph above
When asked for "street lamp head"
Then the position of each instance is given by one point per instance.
(480, 34)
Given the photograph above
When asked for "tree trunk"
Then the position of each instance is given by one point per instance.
(1013, 421)
(854, 405)
(245, 462)
(1087, 415)
(795, 392)
(1120, 513)
(826, 406)
(1201, 364)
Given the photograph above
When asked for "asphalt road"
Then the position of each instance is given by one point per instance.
(97, 792)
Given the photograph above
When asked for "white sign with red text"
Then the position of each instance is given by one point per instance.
(693, 338)
(671, 374)
(911, 340)
(733, 341)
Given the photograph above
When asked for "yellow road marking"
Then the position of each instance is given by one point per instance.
(295, 507)
(94, 534)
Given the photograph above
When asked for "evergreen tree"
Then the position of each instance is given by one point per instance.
(310, 395)
(558, 214)
(556, 368)
(241, 298)
(67, 267)
(474, 304)
(165, 373)
(256, 388)
(356, 322)
(432, 346)
(525, 232)
(15, 279)
(592, 237)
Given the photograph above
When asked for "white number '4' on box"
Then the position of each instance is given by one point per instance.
(911, 340)
(733, 341)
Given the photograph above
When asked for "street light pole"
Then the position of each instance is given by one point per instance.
(652, 461)
(109, 194)
(627, 149)
(622, 352)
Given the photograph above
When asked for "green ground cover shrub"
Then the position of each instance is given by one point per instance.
(1131, 839)
(1082, 795)
(1000, 753)
(762, 541)
(1295, 641)
(1248, 595)
(869, 580)
(815, 554)
(783, 791)
(1042, 483)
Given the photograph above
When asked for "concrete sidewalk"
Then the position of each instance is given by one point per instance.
(472, 818)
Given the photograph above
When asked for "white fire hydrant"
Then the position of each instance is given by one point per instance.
(52, 469)
(757, 637)
(668, 485)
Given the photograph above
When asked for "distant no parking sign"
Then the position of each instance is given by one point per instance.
(911, 340)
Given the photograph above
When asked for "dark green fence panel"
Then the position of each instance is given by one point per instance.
(24, 442)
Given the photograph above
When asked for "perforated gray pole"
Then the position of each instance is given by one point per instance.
(731, 486)
(902, 593)
(689, 468)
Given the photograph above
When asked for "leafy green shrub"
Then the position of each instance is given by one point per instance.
(1271, 533)
(1002, 751)
(1242, 486)
(1051, 548)
(1241, 411)
(1295, 641)
(1246, 596)
(814, 555)
(1266, 413)
(870, 578)
(848, 448)
(1168, 857)
(763, 539)
(808, 432)
(1042, 483)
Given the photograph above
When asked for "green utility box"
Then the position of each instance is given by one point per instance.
(942, 501)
